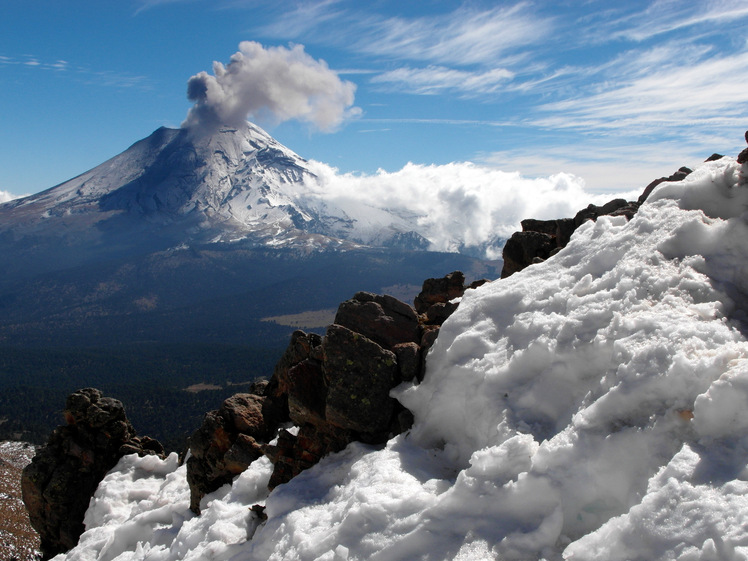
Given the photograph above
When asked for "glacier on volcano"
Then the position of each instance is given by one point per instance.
(593, 406)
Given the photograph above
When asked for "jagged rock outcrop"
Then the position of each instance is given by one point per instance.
(61, 479)
(229, 440)
(375, 343)
(334, 389)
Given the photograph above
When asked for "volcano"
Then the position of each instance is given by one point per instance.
(175, 189)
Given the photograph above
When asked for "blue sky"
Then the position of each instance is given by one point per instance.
(615, 92)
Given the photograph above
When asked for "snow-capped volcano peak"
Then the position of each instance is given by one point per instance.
(236, 182)
(239, 176)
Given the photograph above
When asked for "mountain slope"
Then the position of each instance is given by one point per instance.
(173, 189)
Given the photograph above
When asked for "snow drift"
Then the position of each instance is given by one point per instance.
(594, 406)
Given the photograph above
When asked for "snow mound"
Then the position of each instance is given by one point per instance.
(590, 407)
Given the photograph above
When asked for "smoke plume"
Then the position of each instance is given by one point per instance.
(6, 196)
(274, 84)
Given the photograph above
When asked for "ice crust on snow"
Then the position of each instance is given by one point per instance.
(594, 406)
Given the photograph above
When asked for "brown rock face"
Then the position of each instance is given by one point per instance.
(383, 319)
(61, 479)
(440, 291)
(358, 374)
(523, 248)
(229, 439)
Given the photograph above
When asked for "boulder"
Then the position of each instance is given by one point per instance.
(560, 229)
(359, 374)
(229, 439)
(436, 301)
(441, 290)
(520, 250)
(292, 454)
(383, 319)
(61, 479)
(408, 361)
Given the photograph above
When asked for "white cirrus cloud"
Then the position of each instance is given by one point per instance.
(711, 91)
(275, 82)
(438, 79)
(466, 35)
(665, 16)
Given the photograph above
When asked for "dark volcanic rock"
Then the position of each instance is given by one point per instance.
(383, 319)
(441, 290)
(61, 479)
(679, 175)
(338, 395)
(743, 156)
(300, 348)
(523, 247)
(338, 391)
(435, 301)
(307, 393)
(560, 229)
(359, 374)
(592, 212)
(227, 442)
(408, 361)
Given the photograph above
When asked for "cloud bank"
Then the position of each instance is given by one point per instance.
(457, 205)
(272, 83)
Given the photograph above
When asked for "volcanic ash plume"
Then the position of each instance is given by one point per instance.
(274, 83)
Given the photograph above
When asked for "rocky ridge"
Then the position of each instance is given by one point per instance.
(332, 389)
(63, 475)
(541, 239)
